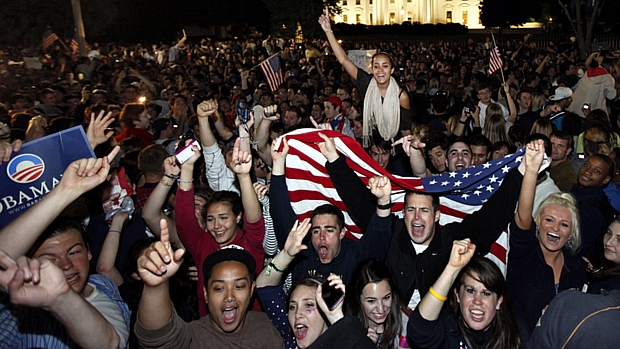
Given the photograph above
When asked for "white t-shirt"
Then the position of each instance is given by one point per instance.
(110, 312)
(415, 297)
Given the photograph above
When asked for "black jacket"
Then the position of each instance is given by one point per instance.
(307, 262)
(346, 333)
(411, 271)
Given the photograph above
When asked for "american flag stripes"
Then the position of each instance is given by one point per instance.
(464, 191)
(495, 62)
(75, 46)
(49, 38)
(272, 70)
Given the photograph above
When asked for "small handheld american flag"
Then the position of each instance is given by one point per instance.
(272, 70)
(49, 38)
(495, 62)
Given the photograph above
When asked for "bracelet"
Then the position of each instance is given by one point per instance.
(462, 122)
(276, 266)
(114, 231)
(181, 181)
(437, 295)
(173, 176)
(386, 206)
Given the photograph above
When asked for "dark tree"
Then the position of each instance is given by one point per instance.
(583, 16)
(504, 13)
(24, 21)
(286, 14)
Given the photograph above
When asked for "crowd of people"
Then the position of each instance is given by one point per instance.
(141, 247)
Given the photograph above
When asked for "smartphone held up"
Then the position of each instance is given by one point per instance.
(331, 295)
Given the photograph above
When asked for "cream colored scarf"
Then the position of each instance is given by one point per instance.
(385, 116)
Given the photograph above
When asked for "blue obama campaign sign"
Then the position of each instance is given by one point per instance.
(37, 168)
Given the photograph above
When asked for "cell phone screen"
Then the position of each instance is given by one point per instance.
(331, 295)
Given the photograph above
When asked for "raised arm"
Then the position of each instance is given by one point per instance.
(118, 85)
(342, 57)
(413, 148)
(279, 199)
(81, 176)
(512, 117)
(151, 212)
(376, 239)
(241, 165)
(96, 132)
(534, 156)
(41, 284)
(591, 57)
(219, 176)
(144, 80)
(352, 191)
(262, 134)
(543, 64)
(272, 274)
(244, 128)
(463, 121)
(156, 265)
(204, 110)
(109, 250)
(433, 301)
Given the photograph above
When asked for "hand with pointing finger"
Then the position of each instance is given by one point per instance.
(323, 126)
(409, 143)
(328, 148)
(158, 263)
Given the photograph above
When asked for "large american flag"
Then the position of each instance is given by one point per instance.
(272, 70)
(465, 190)
(49, 38)
(495, 62)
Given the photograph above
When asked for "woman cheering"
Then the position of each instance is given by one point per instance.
(386, 105)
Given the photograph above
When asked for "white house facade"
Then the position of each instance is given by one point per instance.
(381, 12)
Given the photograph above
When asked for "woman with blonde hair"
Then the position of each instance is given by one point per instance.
(542, 126)
(495, 128)
(539, 100)
(543, 249)
(386, 106)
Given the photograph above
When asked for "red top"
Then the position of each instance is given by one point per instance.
(146, 136)
(200, 243)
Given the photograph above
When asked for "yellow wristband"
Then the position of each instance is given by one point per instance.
(276, 267)
(437, 295)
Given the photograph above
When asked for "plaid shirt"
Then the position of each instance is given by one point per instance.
(143, 193)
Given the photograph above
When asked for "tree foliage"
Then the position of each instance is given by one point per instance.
(583, 17)
(505, 13)
(24, 21)
(286, 14)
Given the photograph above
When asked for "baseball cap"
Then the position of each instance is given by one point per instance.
(335, 101)
(160, 125)
(228, 253)
(561, 93)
